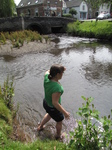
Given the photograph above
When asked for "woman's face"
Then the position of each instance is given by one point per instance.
(59, 75)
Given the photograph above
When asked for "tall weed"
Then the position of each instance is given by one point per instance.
(2, 38)
(7, 93)
(19, 37)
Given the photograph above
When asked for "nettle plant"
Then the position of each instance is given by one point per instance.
(7, 93)
(92, 132)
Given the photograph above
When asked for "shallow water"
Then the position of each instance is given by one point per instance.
(88, 73)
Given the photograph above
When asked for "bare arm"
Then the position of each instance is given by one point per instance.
(47, 72)
(55, 99)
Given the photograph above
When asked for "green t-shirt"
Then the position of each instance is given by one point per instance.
(51, 87)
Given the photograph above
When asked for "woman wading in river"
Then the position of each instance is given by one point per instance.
(52, 101)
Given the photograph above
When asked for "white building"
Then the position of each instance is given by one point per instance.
(80, 6)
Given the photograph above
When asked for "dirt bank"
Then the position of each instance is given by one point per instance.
(8, 49)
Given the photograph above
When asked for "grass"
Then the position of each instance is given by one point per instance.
(37, 145)
(91, 29)
(5, 122)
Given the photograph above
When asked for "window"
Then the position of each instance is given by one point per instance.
(36, 12)
(22, 4)
(29, 12)
(83, 7)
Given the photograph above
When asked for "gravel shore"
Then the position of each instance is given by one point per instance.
(30, 47)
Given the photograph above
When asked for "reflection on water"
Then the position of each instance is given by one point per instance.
(99, 69)
(88, 73)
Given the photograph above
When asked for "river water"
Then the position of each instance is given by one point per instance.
(88, 73)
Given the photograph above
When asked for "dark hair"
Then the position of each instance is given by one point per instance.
(54, 70)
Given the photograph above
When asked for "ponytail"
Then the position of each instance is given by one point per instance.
(49, 77)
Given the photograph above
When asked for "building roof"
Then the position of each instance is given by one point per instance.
(24, 3)
(73, 3)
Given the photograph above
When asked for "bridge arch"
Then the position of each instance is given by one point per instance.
(35, 27)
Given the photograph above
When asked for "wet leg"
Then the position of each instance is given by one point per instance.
(44, 121)
(58, 129)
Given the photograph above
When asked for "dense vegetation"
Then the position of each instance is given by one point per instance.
(7, 8)
(88, 134)
(19, 37)
(91, 29)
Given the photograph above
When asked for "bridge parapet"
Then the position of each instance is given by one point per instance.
(43, 25)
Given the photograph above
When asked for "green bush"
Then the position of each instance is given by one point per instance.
(7, 93)
(88, 135)
(67, 15)
(73, 28)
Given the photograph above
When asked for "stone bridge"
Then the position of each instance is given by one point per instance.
(44, 25)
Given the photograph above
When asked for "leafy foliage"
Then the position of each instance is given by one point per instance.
(88, 134)
(95, 4)
(73, 11)
(67, 15)
(7, 8)
(106, 1)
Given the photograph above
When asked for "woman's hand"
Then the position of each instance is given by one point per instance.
(67, 115)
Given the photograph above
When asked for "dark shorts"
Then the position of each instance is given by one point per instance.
(53, 112)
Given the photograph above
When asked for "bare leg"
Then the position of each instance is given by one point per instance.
(44, 121)
(58, 128)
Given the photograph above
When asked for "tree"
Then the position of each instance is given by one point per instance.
(73, 11)
(99, 2)
(93, 6)
(7, 8)
(107, 1)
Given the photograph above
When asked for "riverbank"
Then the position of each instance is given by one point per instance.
(101, 30)
(22, 42)
(11, 134)
(28, 47)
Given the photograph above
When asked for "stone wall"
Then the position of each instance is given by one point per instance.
(11, 24)
(43, 25)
